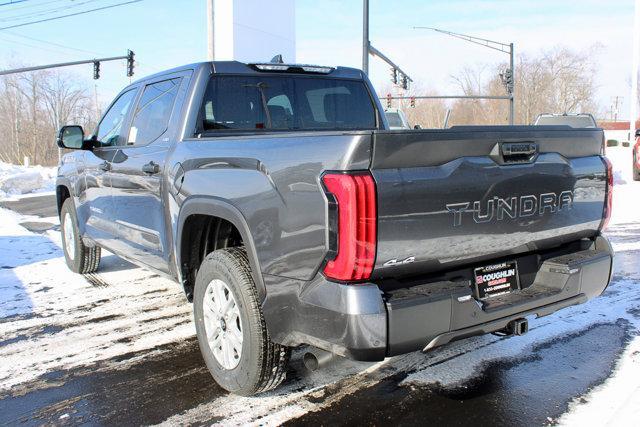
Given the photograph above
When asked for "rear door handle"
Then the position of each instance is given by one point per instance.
(105, 166)
(151, 168)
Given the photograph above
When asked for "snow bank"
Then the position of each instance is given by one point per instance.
(16, 179)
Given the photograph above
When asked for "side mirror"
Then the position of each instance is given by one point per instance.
(637, 133)
(71, 137)
(417, 127)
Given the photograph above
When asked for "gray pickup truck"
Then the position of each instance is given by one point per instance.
(277, 197)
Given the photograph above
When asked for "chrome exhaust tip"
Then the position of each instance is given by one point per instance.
(316, 358)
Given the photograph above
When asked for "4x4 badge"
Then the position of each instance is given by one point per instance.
(396, 261)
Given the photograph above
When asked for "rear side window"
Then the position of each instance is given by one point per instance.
(153, 112)
(394, 120)
(286, 103)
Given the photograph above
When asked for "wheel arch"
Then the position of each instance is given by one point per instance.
(62, 194)
(218, 209)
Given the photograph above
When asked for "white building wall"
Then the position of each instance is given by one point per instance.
(254, 30)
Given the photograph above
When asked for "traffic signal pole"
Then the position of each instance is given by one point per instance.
(365, 36)
(368, 49)
(96, 65)
(508, 76)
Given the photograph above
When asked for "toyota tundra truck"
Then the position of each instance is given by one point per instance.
(278, 198)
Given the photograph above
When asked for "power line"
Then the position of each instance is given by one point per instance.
(32, 46)
(45, 12)
(30, 5)
(70, 14)
(47, 42)
(12, 2)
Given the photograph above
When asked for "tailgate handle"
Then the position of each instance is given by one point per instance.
(518, 152)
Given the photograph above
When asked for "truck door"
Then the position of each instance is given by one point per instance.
(137, 174)
(96, 204)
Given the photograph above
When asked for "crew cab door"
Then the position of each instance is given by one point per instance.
(138, 170)
(97, 209)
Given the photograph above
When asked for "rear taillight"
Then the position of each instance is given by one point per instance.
(355, 249)
(606, 215)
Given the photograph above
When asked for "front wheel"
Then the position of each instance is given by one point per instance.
(79, 257)
(232, 333)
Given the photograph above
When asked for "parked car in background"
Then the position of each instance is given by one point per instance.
(581, 120)
(396, 119)
(636, 157)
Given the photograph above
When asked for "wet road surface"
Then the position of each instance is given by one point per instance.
(42, 206)
(144, 393)
(170, 381)
(528, 391)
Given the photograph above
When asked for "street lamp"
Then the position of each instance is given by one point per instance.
(508, 77)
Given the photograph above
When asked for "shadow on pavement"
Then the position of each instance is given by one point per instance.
(17, 251)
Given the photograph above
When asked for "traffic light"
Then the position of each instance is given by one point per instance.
(413, 102)
(394, 76)
(507, 80)
(405, 82)
(96, 70)
(130, 60)
(388, 100)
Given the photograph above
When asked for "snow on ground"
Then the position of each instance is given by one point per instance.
(52, 319)
(15, 179)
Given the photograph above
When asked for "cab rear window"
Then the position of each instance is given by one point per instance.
(254, 103)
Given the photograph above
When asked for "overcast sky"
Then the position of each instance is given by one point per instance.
(166, 33)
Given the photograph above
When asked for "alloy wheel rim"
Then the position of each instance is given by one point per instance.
(69, 244)
(222, 323)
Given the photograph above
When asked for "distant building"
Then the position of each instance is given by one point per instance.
(617, 130)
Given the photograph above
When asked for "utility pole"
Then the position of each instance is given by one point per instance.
(508, 77)
(512, 88)
(365, 36)
(210, 23)
(635, 68)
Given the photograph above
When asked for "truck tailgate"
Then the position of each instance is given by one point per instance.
(467, 194)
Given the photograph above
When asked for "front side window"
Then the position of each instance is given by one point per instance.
(286, 103)
(108, 131)
(153, 112)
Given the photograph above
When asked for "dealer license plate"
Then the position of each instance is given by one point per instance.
(496, 279)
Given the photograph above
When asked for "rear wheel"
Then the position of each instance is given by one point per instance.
(80, 258)
(232, 333)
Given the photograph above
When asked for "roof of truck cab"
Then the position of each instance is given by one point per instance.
(236, 67)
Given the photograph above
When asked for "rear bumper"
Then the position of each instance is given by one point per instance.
(362, 323)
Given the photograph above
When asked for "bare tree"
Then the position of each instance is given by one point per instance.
(33, 106)
(558, 81)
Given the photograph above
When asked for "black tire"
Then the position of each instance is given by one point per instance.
(85, 259)
(262, 364)
(636, 175)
